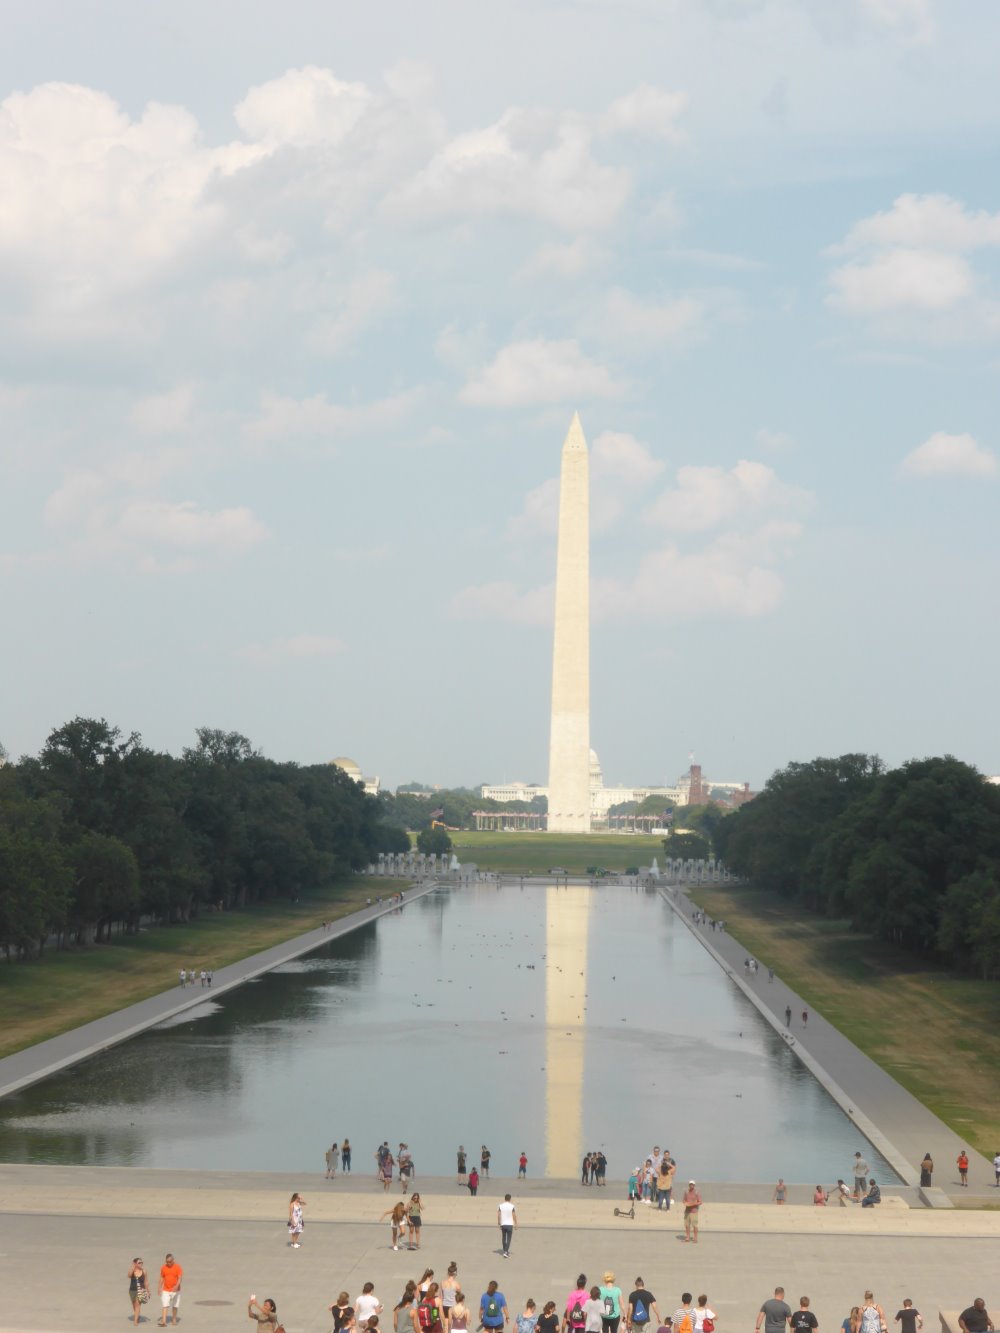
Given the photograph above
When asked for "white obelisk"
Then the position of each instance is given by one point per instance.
(569, 744)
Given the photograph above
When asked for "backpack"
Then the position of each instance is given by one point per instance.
(640, 1314)
(609, 1308)
(577, 1318)
(492, 1309)
(427, 1314)
(686, 1324)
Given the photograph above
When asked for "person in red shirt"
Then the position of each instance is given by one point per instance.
(522, 1166)
(963, 1168)
(170, 1288)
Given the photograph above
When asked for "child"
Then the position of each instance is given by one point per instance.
(780, 1190)
(526, 1322)
(908, 1318)
(633, 1186)
(522, 1166)
(473, 1181)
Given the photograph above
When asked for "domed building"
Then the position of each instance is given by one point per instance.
(353, 771)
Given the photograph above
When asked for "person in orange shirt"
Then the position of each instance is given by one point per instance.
(963, 1168)
(170, 1288)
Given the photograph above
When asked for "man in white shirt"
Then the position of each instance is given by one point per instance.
(996, 1168)
(861, 1171)
(507, 1222)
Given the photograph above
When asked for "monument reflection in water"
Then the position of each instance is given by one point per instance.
(552, 1020)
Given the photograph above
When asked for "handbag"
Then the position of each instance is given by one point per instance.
(143, 1295)
(708, 1325)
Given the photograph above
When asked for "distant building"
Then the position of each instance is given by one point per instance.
(353, 771)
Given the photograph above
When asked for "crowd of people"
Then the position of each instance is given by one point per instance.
(191, 976)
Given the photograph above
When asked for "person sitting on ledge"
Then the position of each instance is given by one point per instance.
(873, 1196)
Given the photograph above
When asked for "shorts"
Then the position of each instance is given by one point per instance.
(415, 1223)
(170, 1300)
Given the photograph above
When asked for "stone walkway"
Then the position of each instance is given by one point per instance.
(47, 1057)
(891, 1118)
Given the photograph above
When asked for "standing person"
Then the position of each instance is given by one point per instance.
(640, 1303)
(345, 1156)
(332, 1153)
(996, 1168)
(459, 1319)
(413, 1222)
(601, 1164)
(138, 1288)
(449, 1293)
(424, 1285)
(788, 1015)
(962, 1162)
(611, 1298)
(704, 1316)
(872, 1315)
(184, 977)
(507, 1222)
(169, 1288)
(803, 1320)
(405, 1168)
(805, 1017)
(397, 1216)
(386, 1170)
(473, 1182)
(484, 1161)
(926, 1169)
(493, 1312)
(522, 1166)
(909, 1319)
(367, 1304)
(527, 1321)
(861, 1171)
(665, 1182)
(585, 1169)
(976, 1319)
(774, 1314)
(575, 1317)
(266, 1314)
(461, 1165)
(296, 1222)
(780, 1191)
(692, 1204)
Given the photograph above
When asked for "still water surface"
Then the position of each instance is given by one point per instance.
(553, 1020)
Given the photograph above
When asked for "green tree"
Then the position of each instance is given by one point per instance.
(686, 846)
(433, 841)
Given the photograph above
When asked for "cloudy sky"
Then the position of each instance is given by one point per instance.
(296, 302)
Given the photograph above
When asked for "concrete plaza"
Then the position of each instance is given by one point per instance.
(69, 1233)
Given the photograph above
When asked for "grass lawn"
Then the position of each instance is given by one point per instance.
(525, 853)
(937, 1034)
(73, 986)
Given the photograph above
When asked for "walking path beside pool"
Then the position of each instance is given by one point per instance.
(891, 1118)
(48, 1057)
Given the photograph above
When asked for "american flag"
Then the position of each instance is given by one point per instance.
(436, 814)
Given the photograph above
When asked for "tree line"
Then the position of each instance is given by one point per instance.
(100, 831)
(911, 855)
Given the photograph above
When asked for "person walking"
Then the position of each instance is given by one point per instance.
(459, 1318)
(169, 1288)
(527, 1320)
(404, 1315)
(405, 1168)
(908, 1318)
(367, 1304)
(641, 1305)
(803, 1320)
(926, 1169)
(296, 1221)
(683, 1317)
(449, 1293)
(345, 1156)
(788, 1015)
(413, 1222)
(493, 1312)
(430, 1312)
(852, 1324)
(138, 1288)
(473, 1182)
(872, 1315)
(611, 1296)
(548, 1321)
(704, 1316)
(962, 1162)
(266, 1315)
(774, 1314)
(507, 1222)
(385, 1170)
(593, 1309)
(397, 1222)
(996, 1168)
(340, 1307)
(692, 1205)
(976, 1318)
(574, 1316)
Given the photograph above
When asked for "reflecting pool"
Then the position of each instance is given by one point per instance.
(553, 1020)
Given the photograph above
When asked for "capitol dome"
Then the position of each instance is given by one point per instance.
(596, 776)
(349, 767)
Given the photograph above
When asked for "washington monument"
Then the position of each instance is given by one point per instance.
(569, 744)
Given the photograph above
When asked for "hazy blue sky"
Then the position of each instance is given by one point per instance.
(296, 302)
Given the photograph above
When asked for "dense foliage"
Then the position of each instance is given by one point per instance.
(99, 830)
(911, 855)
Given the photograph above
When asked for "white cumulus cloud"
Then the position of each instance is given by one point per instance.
(187, 526)
(539, 370)
(944, 455)
(705, 497)
(647, 110)
(902, 279)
